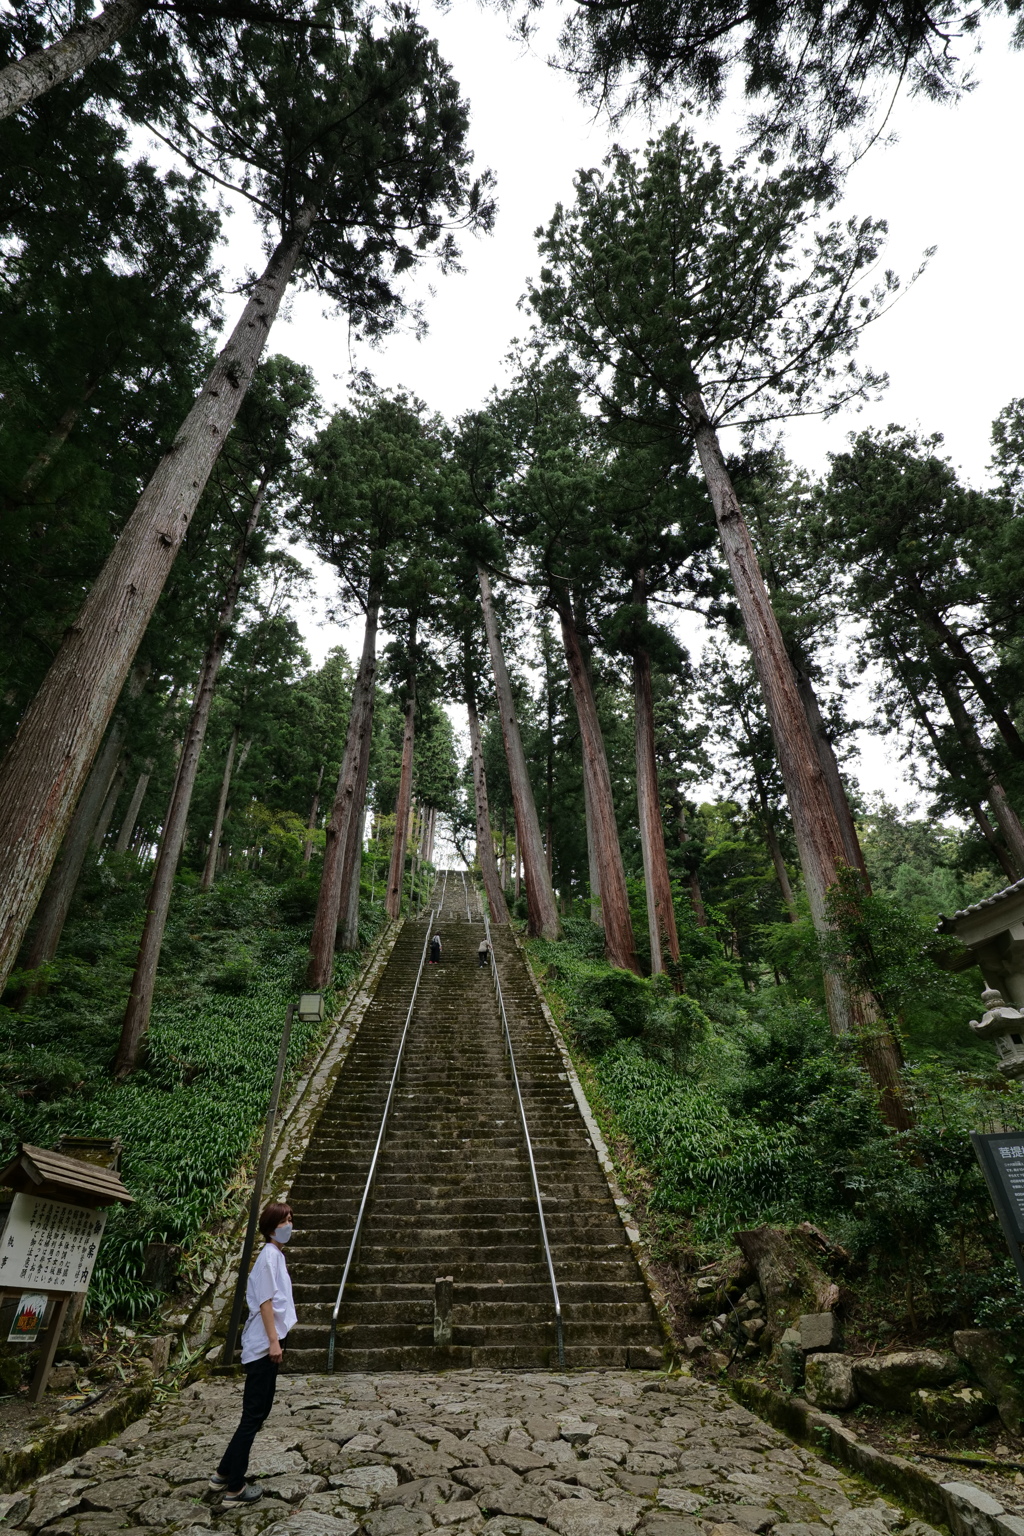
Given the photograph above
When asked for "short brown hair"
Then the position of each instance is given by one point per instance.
(271, 1218)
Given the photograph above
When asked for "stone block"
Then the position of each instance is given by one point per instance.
(952, 1411)
(983, 1351)
(609, 1448)
(644, 1358)
(371, 1479)
(510, 1525)
(122, 1492)
(582, 1517)
(694, 1344)
(890, 1381)
(310, 1522)
(575, 1430)
(865, 1521)
(819, 1331)
(397, 1522)
(680, 1500)
(749, 1517)
(165, 1510)
(829, 1382)
(658, 1524)
(293, 1487)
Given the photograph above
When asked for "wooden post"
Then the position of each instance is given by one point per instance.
(50, 1340)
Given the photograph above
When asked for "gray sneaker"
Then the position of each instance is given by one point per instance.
(218, 1482)
(246, 1495)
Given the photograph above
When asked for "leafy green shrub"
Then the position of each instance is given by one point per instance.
(190, 1114)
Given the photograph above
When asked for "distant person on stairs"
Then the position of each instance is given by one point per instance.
(435, 949)
(271, 1317)
(483, 953)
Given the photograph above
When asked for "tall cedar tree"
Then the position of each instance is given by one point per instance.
(481, 454)
(548, 504)
(257, 455)
(815, 72)
(688, 295)
(89, 405)
(361, 506)
(355, 156)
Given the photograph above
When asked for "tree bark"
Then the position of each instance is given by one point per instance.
(484, 837)
(49, 759)
(819, 838)
(55, 442)
(355, 816)
(619, 946)
(345, 821)
(107, 813)
(696, 894)
(792, 1283)
(661, 917)
(830, 768)
(396, 874)
(542, 915)
(140, 999)
(963, 661)
(1010, 869)
(593, 864)
(307, 852)
(131, 815)
(24, 79)
(210, 867)
(1006, 817)
(60, 888)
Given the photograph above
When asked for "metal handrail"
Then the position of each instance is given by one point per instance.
(370, 1177)
(559, 1334)
(465, 884)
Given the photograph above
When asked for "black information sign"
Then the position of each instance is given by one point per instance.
(1002, 1162)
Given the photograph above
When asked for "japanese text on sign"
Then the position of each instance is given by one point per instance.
(49, 1244)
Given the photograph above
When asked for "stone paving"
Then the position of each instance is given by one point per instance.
(482, 1453)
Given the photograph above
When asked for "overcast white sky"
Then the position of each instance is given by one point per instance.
(952, 346)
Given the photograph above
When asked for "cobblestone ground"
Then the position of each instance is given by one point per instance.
(608, 1453)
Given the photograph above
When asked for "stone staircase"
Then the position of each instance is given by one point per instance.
(453, 1195)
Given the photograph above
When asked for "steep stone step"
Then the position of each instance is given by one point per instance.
(453, 1194)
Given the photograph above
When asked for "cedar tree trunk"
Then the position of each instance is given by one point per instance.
(354, 812)
(210, 867)
(619, 946)
(661, 917)
(484, 837)
(49, 760)
(346, 812)
(140, 999)
(106, 815)
(593, 867)
(60, 888)
(819, 837)
(396, 873)
(307, 852)
(542, 914)
(24, 79)
(833, 778)
(131, 815)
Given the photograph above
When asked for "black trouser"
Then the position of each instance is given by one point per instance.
(257, 1401)
(482, 956)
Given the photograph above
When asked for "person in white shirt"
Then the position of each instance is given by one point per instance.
(271, 1317)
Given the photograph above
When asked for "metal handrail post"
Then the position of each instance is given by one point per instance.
(257, 1193)
(370, 1177)
(559, 1332)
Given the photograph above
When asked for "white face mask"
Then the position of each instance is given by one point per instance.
(282, 1234)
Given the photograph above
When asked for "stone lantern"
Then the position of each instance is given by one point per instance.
(992, 933)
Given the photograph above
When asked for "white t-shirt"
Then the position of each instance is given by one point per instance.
(269, 1280)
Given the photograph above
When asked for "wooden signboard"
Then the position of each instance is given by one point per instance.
(50, 1242)
(1002, 1162)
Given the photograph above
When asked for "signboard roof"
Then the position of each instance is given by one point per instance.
(37, 1171)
